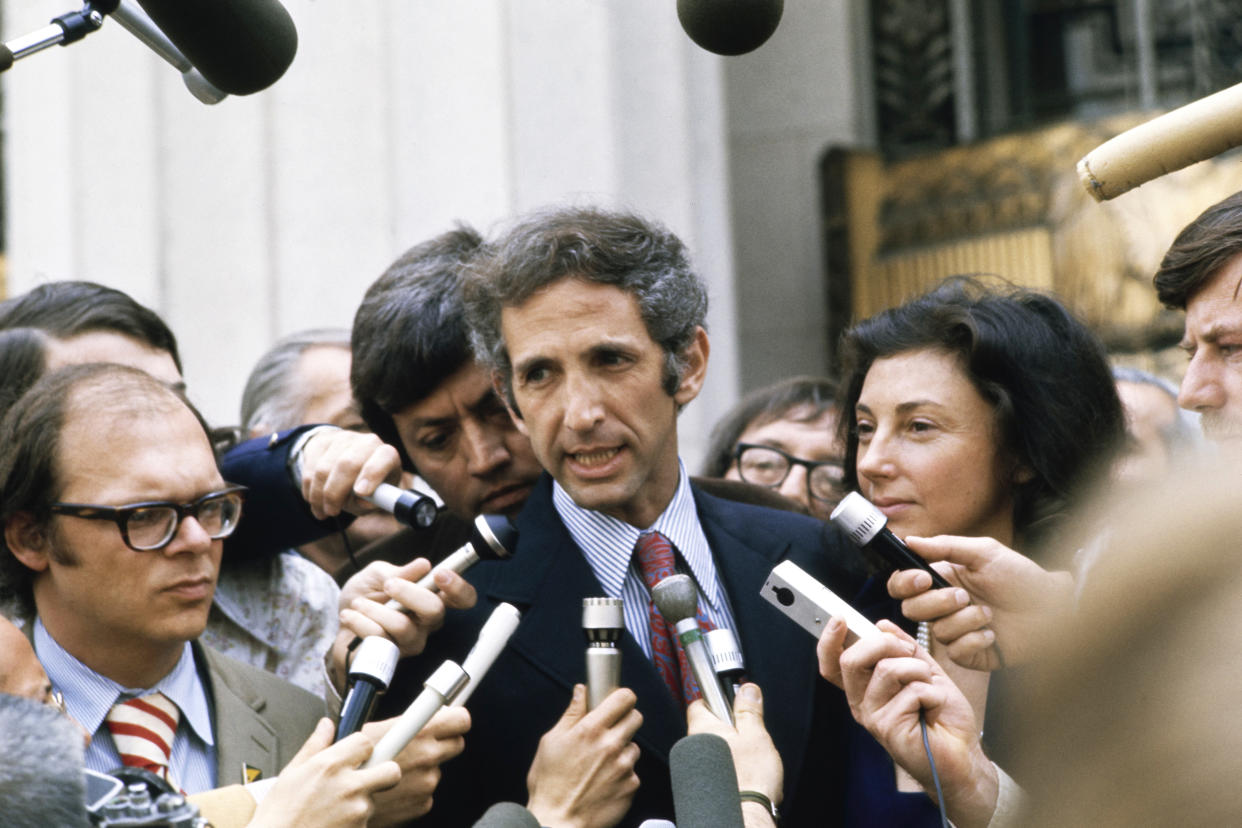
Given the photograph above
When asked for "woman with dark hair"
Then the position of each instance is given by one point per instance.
(973, 411)
(976, 410)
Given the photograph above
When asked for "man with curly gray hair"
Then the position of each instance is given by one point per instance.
(592, 324)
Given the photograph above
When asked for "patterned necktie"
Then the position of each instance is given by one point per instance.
(143, 730)
(655, 558)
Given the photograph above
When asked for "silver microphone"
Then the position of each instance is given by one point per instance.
(603, 621)
(726, 660)
(677, 598)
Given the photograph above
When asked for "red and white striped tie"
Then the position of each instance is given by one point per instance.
(143, 730)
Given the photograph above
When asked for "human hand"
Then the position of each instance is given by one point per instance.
(758, 765)
(1001, 597)
(583, 772)
(364, 609)
(890, 682)
(323, 787)
(441, 739)
(340, 467)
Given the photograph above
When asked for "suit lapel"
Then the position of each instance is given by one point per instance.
(243, 737)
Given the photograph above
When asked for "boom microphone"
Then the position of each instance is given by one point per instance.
(730, 27)
(677, 599)
(240, 46)
(705, 789)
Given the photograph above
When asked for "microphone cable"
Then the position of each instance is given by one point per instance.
(944, 817)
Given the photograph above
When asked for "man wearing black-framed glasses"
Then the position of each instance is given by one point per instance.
(114, 515)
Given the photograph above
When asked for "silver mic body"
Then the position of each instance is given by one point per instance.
(691, 636)
(603, 622)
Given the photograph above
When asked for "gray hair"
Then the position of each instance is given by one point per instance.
(273, 396)
(41, 780)
(613, 248)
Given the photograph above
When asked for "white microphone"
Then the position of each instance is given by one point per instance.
(492, 639)
(416, 510)
(440, 688)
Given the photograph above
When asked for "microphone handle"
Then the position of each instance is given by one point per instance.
(701, 665)
(359, 704)
(443, 685)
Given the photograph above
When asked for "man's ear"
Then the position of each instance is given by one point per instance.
(695, 373)
(498, 386)
(28, 541)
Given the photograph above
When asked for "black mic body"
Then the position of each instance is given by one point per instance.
(603, 622)
(239, 46)
(705, 789)
(867, 528)
(369, 674)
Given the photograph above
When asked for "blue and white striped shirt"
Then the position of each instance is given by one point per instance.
(89, 696)
(608, 545)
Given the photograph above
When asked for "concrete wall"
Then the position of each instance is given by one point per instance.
(273, 212)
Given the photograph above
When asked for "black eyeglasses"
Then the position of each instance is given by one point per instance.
(153, 524)
(767, 466)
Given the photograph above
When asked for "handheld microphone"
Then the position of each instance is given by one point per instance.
(677, 598)
(415, 510)
(730, 27)
(440, 688)
(603, 621)
(492, 639)
(240, 46)
(491, 538)
(705, 789)
(867, 528)
(727, 660)
(369, 674)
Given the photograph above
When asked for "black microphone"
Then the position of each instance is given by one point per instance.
(730, 27)
(369, 673)
(868, 528)
(705, 790)
(239, 46)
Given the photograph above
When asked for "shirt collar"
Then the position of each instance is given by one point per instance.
(608, 543)
(89, 696)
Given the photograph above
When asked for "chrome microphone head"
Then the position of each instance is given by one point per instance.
(859, 518)
(603, 621)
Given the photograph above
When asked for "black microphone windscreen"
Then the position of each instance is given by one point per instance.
(730, 27)
(705, 792)
(240, 46)
(507, 815)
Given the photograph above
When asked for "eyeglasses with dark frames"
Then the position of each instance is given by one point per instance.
(768, 466)
(152, 524)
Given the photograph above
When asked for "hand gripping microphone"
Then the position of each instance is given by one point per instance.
(677, 598)
(727, 660)
(867, 527)
(369, 673)
(491, 538)
(603, 621)
(447, 684)
(705, 788)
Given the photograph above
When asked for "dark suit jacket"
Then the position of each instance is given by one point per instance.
(529, 686)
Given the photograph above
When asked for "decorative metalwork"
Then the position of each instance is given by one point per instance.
(913, 54)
